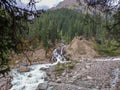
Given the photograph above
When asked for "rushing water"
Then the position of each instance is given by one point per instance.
(30, 80)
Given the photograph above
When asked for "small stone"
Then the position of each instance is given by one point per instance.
(30, 75)
(70, 81)
(88, 77)
(58, 80)
(17, 66)
(64, 73)
(83, 69)
(87, 66)
(43, 69)
(17, 62)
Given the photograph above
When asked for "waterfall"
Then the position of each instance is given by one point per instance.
(57, 54)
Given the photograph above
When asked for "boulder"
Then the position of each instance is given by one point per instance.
(23, 69)
(42, 86)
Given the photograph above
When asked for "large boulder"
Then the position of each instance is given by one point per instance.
(80, 47)
(42, 86)
(23, 69)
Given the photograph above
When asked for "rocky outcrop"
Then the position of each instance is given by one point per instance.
(67, 4)
(78, 5)
(80, 48)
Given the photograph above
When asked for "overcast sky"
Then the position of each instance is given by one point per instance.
(43, 4)
(46, 4)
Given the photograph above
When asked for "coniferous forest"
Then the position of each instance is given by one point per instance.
(64, 24)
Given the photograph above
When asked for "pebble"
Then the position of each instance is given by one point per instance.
(88, 77)
(58, 80)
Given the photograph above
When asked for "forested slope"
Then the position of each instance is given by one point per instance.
(65, 24)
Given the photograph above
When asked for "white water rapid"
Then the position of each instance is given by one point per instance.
(30, 80)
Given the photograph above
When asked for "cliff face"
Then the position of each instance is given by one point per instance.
(78, 5)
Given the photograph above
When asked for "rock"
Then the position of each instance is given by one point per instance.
(42, 86)
(17, 65)
(23, 69)
(24, 64)
(87, 66)
(17, 62)
(43, 69)
(50, 88)
(64, 73)
(88, 77)
(58, 80)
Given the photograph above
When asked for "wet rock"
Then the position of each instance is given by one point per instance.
(23, 69)
(42, 86)
(50, 88)
(43, 69)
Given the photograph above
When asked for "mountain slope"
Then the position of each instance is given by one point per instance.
(67, 4)
(78, 5)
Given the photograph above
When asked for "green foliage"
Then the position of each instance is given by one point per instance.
(108, 48)
(60, 67)
(116, 27)
(64, 24)
(11, 31)
(5, 39)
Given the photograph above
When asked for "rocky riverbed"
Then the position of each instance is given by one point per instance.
(87, 74)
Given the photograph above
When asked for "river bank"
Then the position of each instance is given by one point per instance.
(84, 72)
(87, 74)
